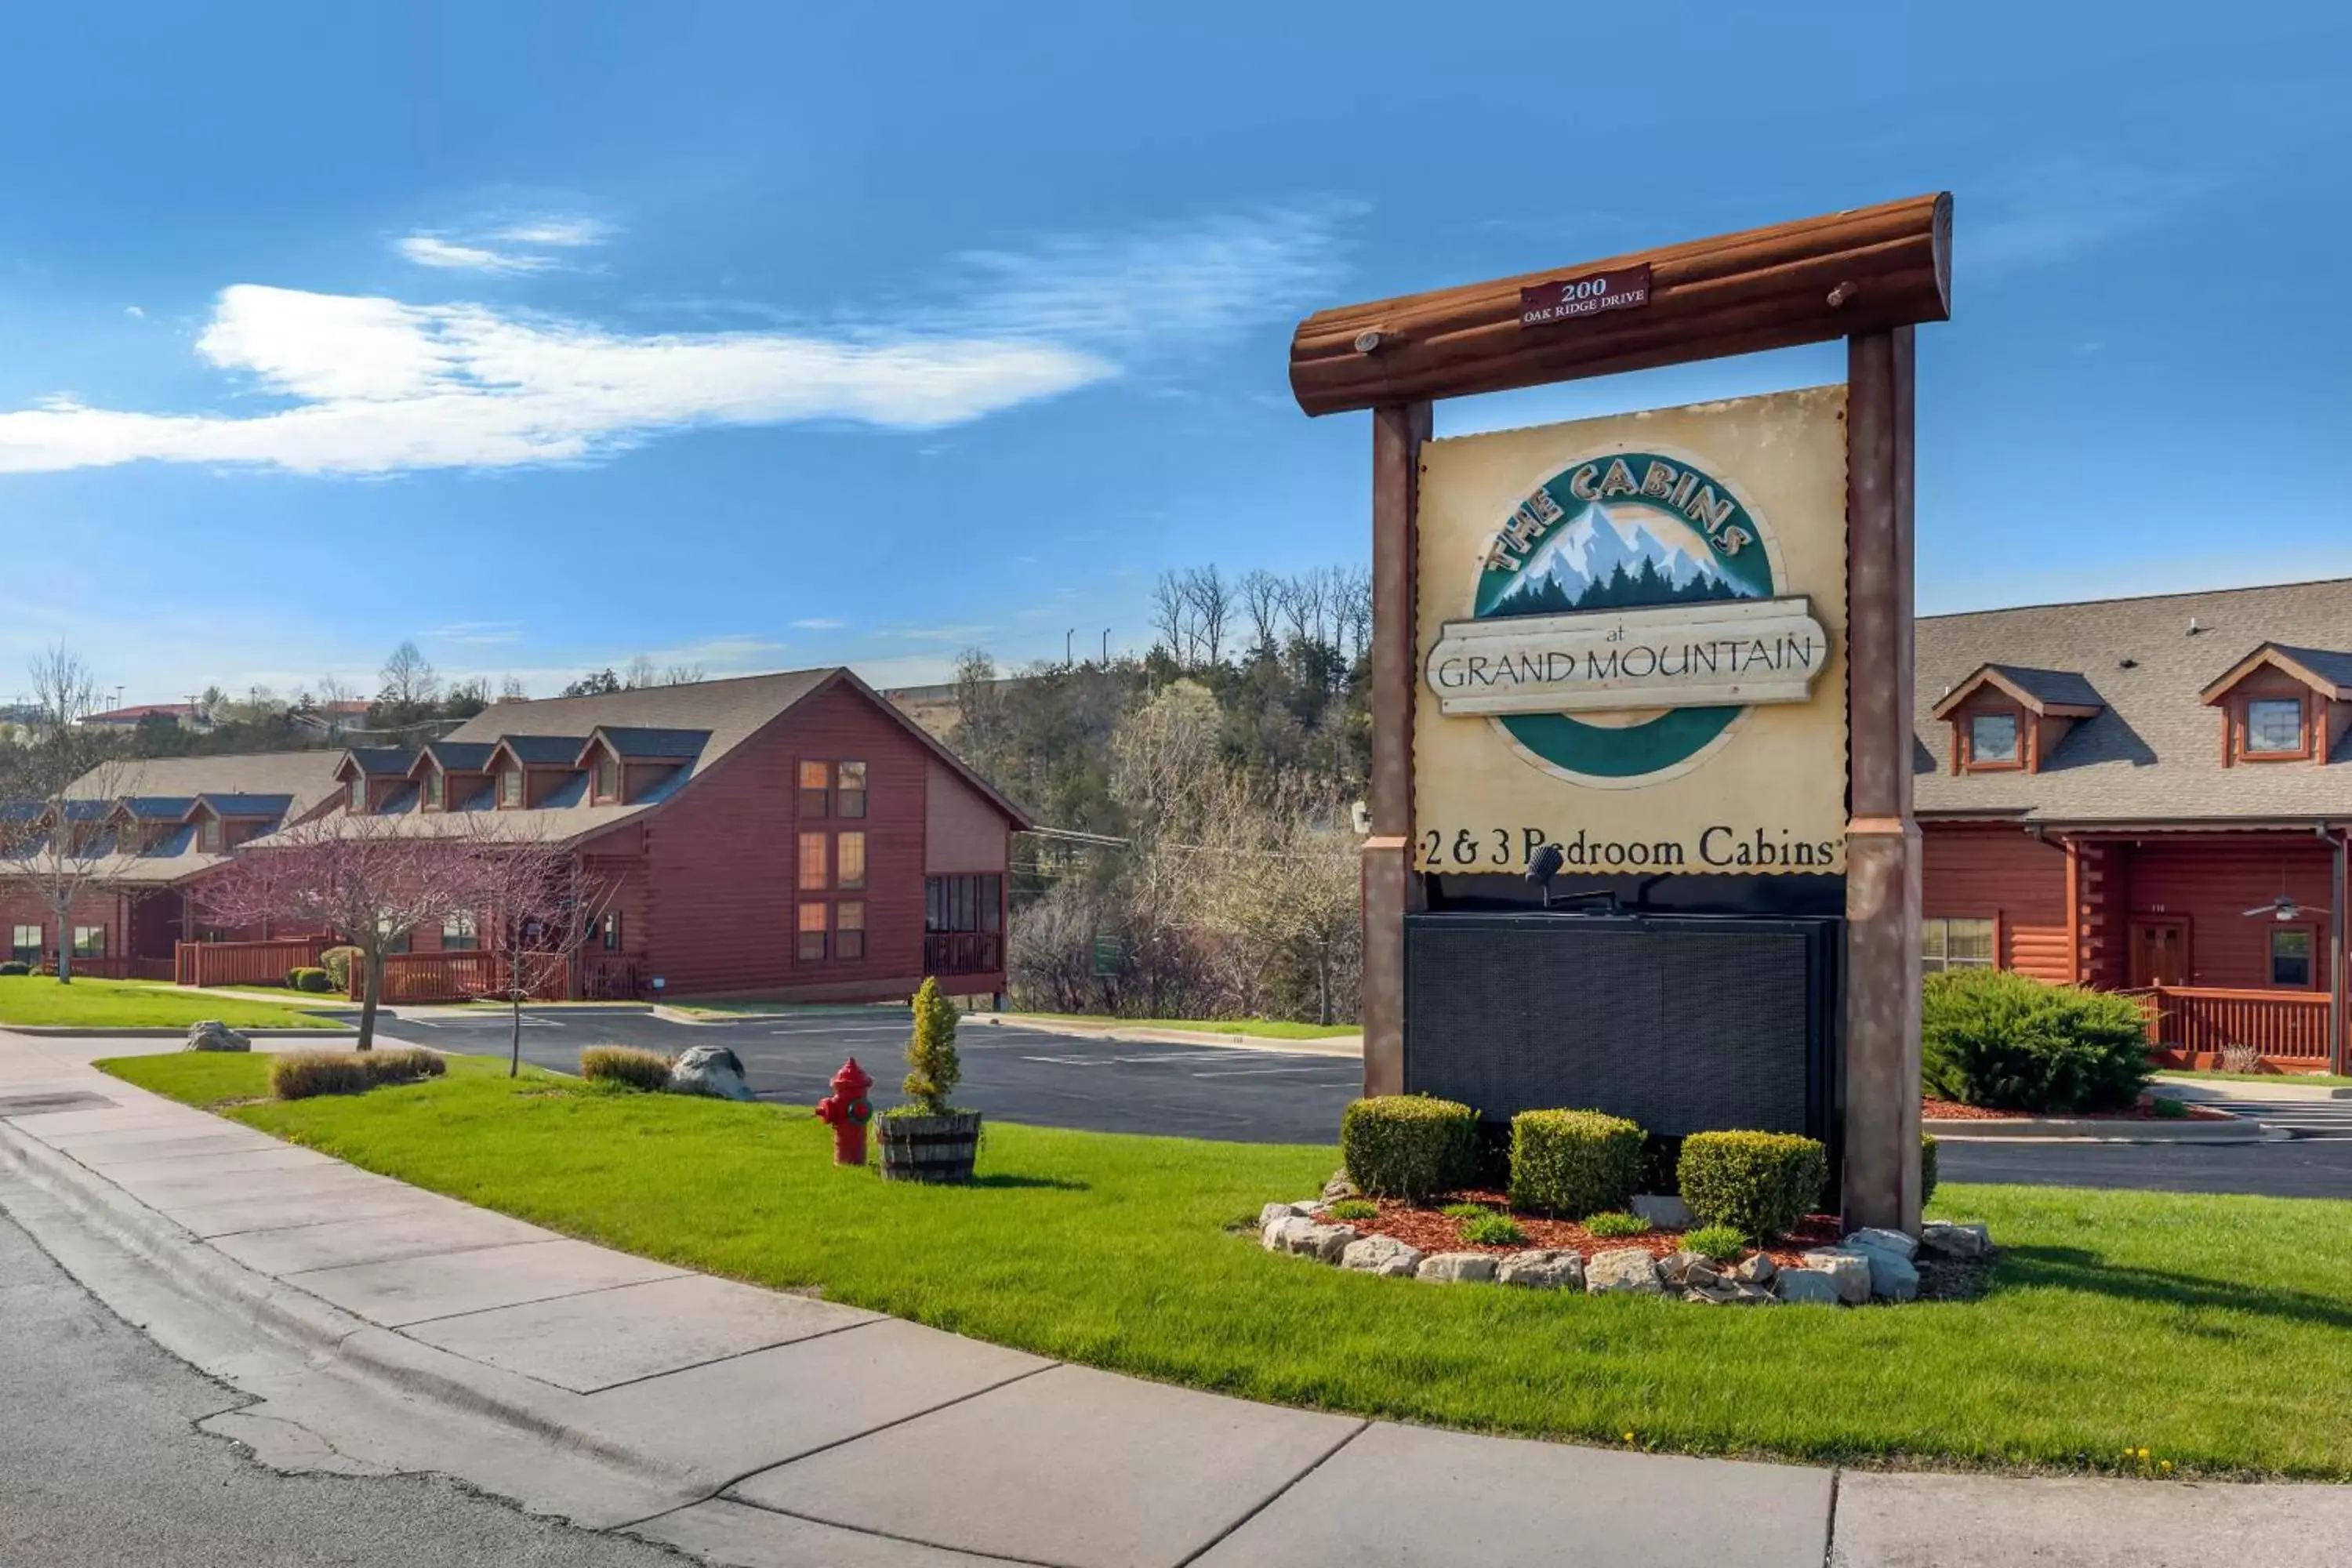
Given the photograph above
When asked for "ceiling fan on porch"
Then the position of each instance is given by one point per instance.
(2281, 908)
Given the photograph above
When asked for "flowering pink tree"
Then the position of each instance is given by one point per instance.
(536, 903)
(359, 877)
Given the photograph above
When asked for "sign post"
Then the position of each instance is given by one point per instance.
(1673, 644)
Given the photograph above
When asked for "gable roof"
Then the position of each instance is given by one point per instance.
(2326, 671)
(244, 806)
(378, 761)
(639, 744)
(2062, 692)
(2152, 753)
(541, 751)
(457, 756)
(151, 787)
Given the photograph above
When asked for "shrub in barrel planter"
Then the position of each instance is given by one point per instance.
(1761, 1183)
(930, 1140)
(1574, 1163)
(1408, 1145)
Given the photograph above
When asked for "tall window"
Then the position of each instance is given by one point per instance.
(1955, 945)
(458, 934)
(610, 932)
(962, 903)
(511, 786)
(359, 792)
(853, 789)
(849, 928)
(24, 944)
(2291, 955)
(811, 860)
(90, 942)
(2274, 727)
(849, 864)
(608, 778)
(811, 948)
(436, 789)
(208, 836)
(816, 791)
(1992, 739)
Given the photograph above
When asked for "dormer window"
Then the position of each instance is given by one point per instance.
(510, 787)
(437, 790)
(2275, 728)
(358, 793)
(1992, 741)
(208, 836)
(608, 778)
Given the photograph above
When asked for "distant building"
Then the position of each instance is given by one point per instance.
(186, 715)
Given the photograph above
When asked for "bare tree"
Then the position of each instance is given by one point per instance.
(362, 877)
(1302, 605)
(510, 689)
(640, 673)
(536, 906)
(1171, 617)
(1211, 598)
(1354, 585)
(683, 675)
(55, 837)
(1262, 596)
(410, 681)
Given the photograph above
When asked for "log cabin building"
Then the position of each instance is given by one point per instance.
(2152, 795)
(787, 836)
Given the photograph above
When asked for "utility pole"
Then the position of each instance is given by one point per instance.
(1106, 648)
(1066, 639)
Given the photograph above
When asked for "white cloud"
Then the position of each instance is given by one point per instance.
(820, 624)
(432, 250)
(2065, 206)
(477, 633)
(376, 385)
(558, 231)
(134, 312)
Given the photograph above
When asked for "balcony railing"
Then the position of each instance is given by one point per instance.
(414, 977)
(2284, 1026)
(962, 953)
(245, 962)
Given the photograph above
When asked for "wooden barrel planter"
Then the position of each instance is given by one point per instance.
(929, 1148)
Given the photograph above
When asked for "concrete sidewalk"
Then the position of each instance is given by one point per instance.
(386, 1329)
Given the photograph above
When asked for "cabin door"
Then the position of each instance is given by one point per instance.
(2159, 952)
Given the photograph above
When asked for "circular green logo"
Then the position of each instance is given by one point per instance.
(1635, 530)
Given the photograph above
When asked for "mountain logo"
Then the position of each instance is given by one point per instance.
(1631, 530)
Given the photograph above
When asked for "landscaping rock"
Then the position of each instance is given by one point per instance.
(713, 1070)
(1809, 1287)
(1755, 1295)
(1323, 1243)
(1892, 1276)
(1663, 1210)
(1541, 1268)
(1625, 1270)
(1893, 1241)
(1456, 1268)
(1713, 1291)
(1689, 1269)
(1273, 1234)
(1848, 1273)
(1757, 1269)
(1382, 1255)
(1946, 1240)
(1340, 1186)
(1271, 1212)
(212, 1034)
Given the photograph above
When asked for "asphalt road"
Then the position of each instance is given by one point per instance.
(100, 1463)
(1277, 1097)
(1020, 1075)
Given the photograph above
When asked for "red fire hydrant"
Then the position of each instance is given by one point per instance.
(848, 1110)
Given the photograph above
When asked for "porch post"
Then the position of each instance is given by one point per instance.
(1391, 886)
(2337, 1053)
(1883, 893)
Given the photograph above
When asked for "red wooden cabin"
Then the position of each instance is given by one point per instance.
(2149, 796)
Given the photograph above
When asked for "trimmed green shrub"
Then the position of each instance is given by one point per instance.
(932, 1067)
(625, 1065)
(337, 962)
(16, 966)
(1573, 1163)
(299, 1075)
(1611, 1226)
(1492, 1230)
(309, 979)
(1353, 1208)
(1408, 1145)
(1997, 1038)
(1926, 1169)
(1760, 1184)
(1717, 1243)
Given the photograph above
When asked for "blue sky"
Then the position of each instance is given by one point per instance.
(765, 336)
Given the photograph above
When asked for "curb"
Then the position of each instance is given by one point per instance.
(2208, 1092)
(1348, 1046)
(77, 1032)
(315, 1328)
(2084, 1130)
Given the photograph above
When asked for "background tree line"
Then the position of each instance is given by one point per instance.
(1221, 766)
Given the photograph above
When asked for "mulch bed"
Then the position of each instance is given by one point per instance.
(1952, 1110)
(1424, 1227)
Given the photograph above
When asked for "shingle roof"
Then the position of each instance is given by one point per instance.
(243, 805)
(648, 745)
(545, 750)
(2062, 688)
(382, 759)
(461, 756)
(304, 780)
(158, 807)
(2153, 752)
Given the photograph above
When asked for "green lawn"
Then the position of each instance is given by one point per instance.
(1265, 1028)
(141, 1005)
(2214, 1332)
(2330, 1080)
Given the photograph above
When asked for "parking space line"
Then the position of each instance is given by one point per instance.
(1253, 1072)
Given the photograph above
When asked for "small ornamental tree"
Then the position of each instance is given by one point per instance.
(55, 789)
(362, 877)
(934, 1069)
(536, 905)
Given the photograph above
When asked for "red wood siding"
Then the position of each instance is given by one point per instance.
(720, 895)
(1971, 871)
(2213, 881)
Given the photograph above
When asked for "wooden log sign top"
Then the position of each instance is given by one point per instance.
(1868, 270)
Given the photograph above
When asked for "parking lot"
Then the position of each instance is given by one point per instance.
(1243, 1093)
